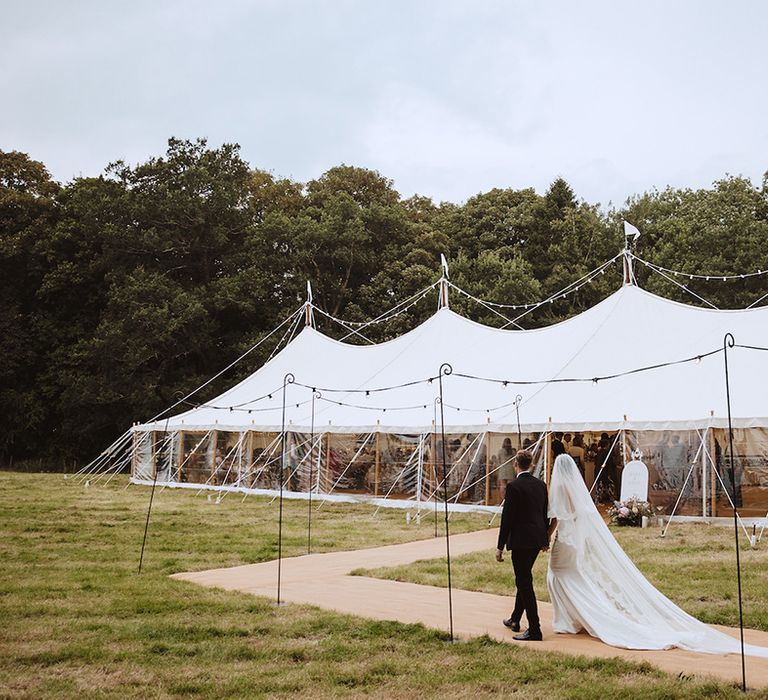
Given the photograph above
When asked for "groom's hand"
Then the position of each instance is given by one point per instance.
(499, 555)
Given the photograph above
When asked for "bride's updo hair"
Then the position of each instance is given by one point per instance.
(524, 459)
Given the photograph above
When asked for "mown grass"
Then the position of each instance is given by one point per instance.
(77, 621)
(694, 565)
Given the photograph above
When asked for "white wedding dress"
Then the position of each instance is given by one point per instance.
(594, 586)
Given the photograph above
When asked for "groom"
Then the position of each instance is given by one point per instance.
(524, 532)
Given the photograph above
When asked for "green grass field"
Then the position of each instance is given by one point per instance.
(77, 621)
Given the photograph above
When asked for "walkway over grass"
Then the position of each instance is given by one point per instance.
(323, 580)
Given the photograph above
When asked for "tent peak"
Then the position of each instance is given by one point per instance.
(442, 302)
(309, 314)
(631, 234)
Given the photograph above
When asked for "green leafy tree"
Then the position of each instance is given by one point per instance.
(27, 212)
(717, 231)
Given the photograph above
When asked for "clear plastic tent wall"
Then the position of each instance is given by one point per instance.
(377, 428)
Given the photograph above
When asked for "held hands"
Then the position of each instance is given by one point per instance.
(499, 555)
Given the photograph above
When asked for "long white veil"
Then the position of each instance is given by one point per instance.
(640, 610)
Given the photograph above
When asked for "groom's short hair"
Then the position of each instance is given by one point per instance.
(524, 459)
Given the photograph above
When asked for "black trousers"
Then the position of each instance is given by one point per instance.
(525, 599)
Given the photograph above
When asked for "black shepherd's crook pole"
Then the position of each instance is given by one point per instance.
(315, 395)
(729, 342)
(434, 469)
(287, 379)
(518, 400)
(151, 498)
(446, 369)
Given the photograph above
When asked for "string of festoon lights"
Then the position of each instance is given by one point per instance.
(407, 304)
(566, 291)
(696, 276)
(428, 380)
(387, 315)
(414, 299)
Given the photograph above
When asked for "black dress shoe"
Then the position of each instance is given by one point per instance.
(528, 636)
(514, 626)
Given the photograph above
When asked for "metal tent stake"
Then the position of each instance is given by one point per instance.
(287, 379)
(446, 369)
(729, 342)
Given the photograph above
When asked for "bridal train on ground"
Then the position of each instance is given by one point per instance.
(594, 586)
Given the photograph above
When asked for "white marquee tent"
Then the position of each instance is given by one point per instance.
(630, 329)
(374, 427)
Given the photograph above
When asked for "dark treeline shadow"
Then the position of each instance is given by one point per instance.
(120, 291)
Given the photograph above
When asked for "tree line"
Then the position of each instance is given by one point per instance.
(120, 291)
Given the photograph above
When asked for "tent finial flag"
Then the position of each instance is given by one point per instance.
(309, 313)
(631, 234)
(631, 231)
(443, 288)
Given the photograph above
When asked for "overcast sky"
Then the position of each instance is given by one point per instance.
(446, 98)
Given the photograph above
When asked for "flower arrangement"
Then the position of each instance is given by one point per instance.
(629, 512)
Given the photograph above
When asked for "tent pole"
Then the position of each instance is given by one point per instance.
(620, 472)
(181, 456)
(249, 462)
(420, 468)
(319, 464)
(728, 342)
(243, 438)
(153, 453)
(212, 449)
(170, 456)
(548, 453)
(134, 465)
(434, 460)
(327, 460)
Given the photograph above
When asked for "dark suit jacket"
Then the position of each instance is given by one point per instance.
(524, 518)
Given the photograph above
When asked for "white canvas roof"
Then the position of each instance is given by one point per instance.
(630, 329)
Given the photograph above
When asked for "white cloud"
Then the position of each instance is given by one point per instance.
(447, 98)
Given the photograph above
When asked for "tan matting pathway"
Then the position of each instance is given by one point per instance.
(323, 580)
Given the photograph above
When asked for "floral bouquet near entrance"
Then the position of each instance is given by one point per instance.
(629, 512)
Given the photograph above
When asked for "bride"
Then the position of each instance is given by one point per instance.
(594, 586)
